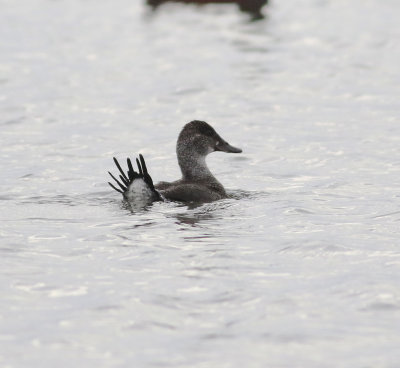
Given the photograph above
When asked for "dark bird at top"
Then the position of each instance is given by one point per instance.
(252, 7)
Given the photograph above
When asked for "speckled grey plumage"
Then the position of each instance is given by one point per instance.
(196, 140)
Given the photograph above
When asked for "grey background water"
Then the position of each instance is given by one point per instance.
(300, 268)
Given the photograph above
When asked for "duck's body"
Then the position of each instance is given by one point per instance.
(186, 191)
(196, 140)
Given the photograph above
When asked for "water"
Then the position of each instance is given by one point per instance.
(299, 268)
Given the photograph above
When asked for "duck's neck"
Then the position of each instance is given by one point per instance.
(194, 167)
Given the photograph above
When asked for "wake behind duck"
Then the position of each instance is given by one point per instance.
(196, 140)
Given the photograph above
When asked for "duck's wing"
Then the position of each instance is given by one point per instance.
(135, 186)
(190, 192)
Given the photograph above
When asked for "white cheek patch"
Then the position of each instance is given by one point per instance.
(139, 191)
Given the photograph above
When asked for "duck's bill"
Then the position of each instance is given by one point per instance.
(226, 147)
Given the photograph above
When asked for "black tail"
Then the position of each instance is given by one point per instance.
(125, 180)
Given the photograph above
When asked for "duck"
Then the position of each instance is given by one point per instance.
(196, 141)
(252, 7)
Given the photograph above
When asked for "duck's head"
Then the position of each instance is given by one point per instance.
(200, 139)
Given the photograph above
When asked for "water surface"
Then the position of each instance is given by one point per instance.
(299, 268)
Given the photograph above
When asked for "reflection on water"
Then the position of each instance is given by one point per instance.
(253, 7)
(194, 213)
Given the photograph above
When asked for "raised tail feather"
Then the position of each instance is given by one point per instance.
(126, 180)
